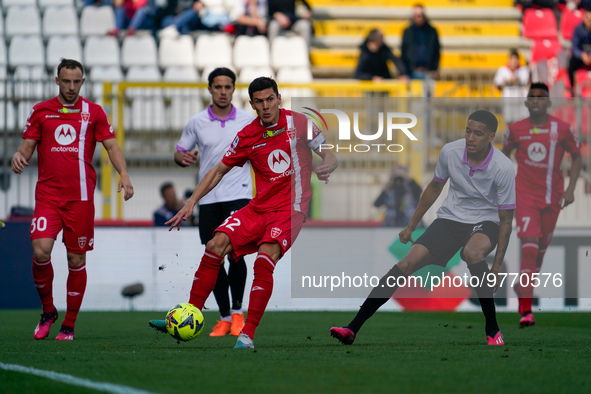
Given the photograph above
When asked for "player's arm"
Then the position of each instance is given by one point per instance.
(568, 197)
(428, 198)
(329, 164)
(23, 154)
(209, 181)
(118, 160)
(185, 158)
(505, 227)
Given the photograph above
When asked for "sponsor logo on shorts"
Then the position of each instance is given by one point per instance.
(275, 232)
(81, 242)
(65, 134)
(91, 242)
(476, 228)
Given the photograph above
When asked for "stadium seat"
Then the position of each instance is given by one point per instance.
(96, 20)
(3, 60)
(583, 82)
(60, 20)
(176, 51)
(544, 49)
(139, 51)
(147, 111)
(8, 3)
(3, 74)
(30, 82)
(568, 21)
(7, 115)
(289, 52)
(1, 25)
(294, 75)
(26, 50)
(539, 23)
(251, 52)
(209, 44)
(101, 51)
(246, 76)
(48, 3)
(184, 102)
(22, 20)
(23, 110)
(60, 47)
(100, 74)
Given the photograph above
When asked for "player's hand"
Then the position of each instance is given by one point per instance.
(184, 214)
(189, 158)
(406, 235)
(322, 172)
(567, 198)
(18, 163)
(125, 184)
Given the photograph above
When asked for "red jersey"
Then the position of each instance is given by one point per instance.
(66, 136)
(539, 155)
(281, 157)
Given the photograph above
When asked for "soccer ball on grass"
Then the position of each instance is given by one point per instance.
(184, 322)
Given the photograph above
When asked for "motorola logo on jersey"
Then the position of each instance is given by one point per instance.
(278, 161)
(536, 151)
(65, 134)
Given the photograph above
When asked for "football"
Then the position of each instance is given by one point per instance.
(184, 322)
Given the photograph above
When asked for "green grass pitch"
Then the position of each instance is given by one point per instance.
(394, 352)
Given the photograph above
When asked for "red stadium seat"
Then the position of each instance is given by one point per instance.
(545, 49)
(583, 82)
(568, 21)
(539, 24)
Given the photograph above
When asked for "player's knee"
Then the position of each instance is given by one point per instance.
(472, 256)
(218, 244)
(271, 249)
(76, 260)
(41, 253)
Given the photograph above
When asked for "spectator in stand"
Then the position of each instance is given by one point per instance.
(373, 60)
(132, 15)
(525, 4)
(249, 17)
(163, 9)
(195, 17)
(170, 207)
(282, 17)
(400, 196)
(420, 46)
(97, 3)
(512, 80)
(581, 48)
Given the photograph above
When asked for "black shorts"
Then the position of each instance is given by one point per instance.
(444, 237)
(212, 215)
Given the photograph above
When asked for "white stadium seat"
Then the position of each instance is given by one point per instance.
(184, 102)
(60, 47)
(96, 20)
(147, 112)
(99, 74)
(26, 50)
(251, 52)
(29, 82)
(289, 52)
(101, 51)
(139, 51)
(48, 3)
(7, 115)
(213, 50)
(3, 59)
(3, 74)
(176, 51)
(60, 20)
(294, 75)
(8, 3)
(247, 75)
(22, 20)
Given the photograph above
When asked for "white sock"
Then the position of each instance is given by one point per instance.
(239, 311)
(226, 318)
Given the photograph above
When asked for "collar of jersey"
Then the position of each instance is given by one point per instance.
(482, 166)
(273, 126)
(212, 116)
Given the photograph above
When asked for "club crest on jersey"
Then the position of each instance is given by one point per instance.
(278, 161)
(275, 232)
(85, 116)
(291, 133)
(65, 134)
(81, 242)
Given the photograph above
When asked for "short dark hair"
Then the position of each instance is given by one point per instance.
(221, 71)
(164, 186)
(262, 83)
(373, 35)
(514, 52)
(486, 117)
(69, 64)
(539, 85)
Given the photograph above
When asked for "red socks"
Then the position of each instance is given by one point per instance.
(75, 286)
(43, 278)
(260, 293)
(205, 278)
(529, 255)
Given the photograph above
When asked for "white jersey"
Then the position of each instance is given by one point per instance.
(213, 137)
(476, 194)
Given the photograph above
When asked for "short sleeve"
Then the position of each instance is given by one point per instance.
(188, 139)
(32, 130)
(317, 138)
(571, 142)
(442, 169)
(505, 182)
(102, 128)
(237, 155)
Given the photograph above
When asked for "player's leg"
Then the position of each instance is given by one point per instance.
(480, 244)
(45, 226)
(75, 289)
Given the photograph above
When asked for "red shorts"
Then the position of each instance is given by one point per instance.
(248, 229)
(536, 222)
(76, 218)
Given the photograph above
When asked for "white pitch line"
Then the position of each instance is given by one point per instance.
(72, 380)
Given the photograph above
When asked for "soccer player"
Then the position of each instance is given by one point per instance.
(280, 153)
(212, 131)
(540, 142)
(65, 130)
(476, 216)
